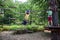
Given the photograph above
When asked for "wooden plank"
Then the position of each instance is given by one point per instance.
(53, 27)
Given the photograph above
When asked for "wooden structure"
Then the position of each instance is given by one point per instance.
(55, 29)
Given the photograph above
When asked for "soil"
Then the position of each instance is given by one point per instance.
(7, 35)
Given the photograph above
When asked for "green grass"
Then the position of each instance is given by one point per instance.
(29, 27)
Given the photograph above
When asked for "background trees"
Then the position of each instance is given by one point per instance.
(17, 10)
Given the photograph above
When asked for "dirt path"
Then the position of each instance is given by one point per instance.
(6, 35)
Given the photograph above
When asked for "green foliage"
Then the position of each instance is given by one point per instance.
(1, 29)
(32, 27)
(17, 10)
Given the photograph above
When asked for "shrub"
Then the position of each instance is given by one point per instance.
(29, 27)
(1, 29)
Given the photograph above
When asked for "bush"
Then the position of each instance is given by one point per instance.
(35, 28)
(14, 27)
(32, 27)
(29, 27)
(1, 29)
(6, 28)
(41, 28)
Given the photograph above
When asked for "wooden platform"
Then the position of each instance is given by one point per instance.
(52, 28)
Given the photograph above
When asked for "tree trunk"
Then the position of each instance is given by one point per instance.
(53, 5)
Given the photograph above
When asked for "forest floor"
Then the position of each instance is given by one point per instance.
(7, 35)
